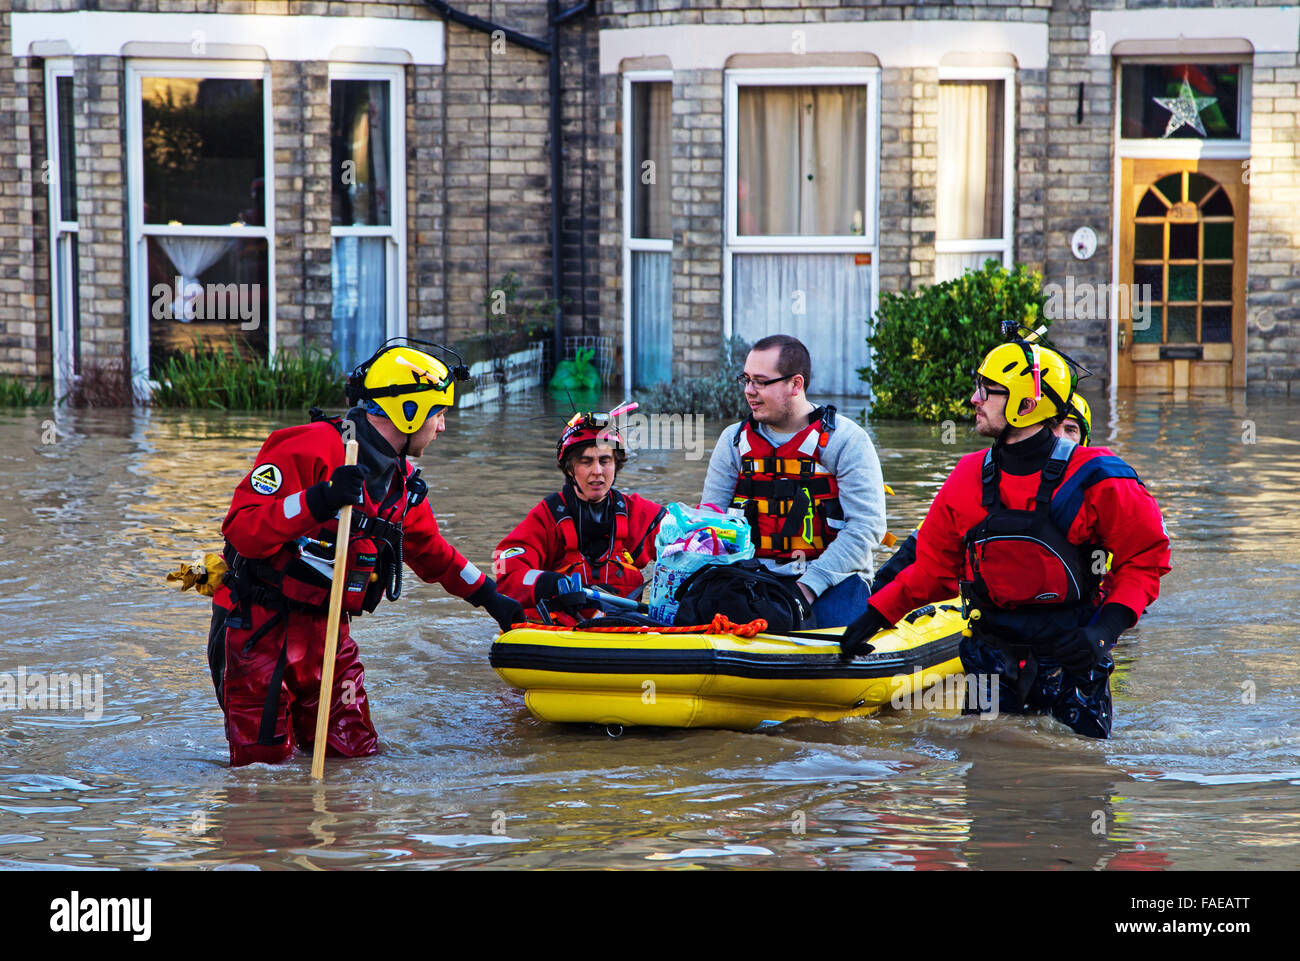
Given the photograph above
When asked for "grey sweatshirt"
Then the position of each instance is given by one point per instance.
(851, 457)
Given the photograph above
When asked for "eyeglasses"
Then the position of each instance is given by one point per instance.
(985, 387)
(744, 380)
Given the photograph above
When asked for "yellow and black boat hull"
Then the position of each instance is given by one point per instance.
(721, 680)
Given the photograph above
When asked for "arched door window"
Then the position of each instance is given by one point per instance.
(1183, 253)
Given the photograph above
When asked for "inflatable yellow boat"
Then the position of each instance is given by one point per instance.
(723, 680)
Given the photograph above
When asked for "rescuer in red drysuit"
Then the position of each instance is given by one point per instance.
(1023, 530)
(267, 639)
(587, 527)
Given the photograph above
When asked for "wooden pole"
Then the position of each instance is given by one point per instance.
(332, 626)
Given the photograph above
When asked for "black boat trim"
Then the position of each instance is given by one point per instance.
(747, 664)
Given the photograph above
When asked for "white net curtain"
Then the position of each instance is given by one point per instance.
(801, 160)
(971, 172)
(651, 285)
(801, 171)
(192, 256)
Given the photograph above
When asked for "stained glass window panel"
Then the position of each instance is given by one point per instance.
(1213, 94)
(1149, 243)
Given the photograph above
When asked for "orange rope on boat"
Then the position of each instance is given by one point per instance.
(720, 625)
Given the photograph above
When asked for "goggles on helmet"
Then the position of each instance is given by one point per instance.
(590, 427)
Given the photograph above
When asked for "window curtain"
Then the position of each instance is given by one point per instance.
(359, 146)
(823, 299)
(360, 282)
(971, 161)
(952, 266)
(192, 256)
(652, 317)
(652, 138)
(67, 339)
(801, 160)
(67, 146)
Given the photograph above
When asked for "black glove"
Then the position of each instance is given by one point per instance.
(344, 487)
(856, 635)
(1083, 647)
(505, 610)
(546, 586)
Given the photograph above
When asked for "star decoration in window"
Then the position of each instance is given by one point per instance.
(1185, 109)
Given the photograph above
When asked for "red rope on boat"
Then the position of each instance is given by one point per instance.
(719, 625)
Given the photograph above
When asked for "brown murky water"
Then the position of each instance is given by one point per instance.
(1203, 770)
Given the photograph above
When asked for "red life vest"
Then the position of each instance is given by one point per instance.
(615, 566)
(790, 500)
(301, 572)
(1021, 558)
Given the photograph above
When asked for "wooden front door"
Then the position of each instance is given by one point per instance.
(1183, 238)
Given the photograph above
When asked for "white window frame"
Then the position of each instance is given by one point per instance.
(62, 347)
(1008, 77)
(866, 242)
(395, 232)
(634, 244)
(136, 70)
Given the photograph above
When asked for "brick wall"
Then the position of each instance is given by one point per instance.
(1030, 211)
(909, 158)
(496, 191)
(425, 202)
(580, 44)
(1273, 277)
(17, 186)
(609, 169)
(697, 219)
(300, 123)
(101, 210)
(39, 261)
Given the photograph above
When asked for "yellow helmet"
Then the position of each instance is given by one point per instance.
(407, 385)
(1030, 371)
(1078, 409)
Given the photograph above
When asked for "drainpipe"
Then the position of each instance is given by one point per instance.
(551, 47)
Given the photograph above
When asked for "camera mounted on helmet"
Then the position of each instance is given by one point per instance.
(1016, 332)
(588, 427)
(1031, 369)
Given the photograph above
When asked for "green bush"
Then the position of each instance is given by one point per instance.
(925, 344)
(16, 393)
(228, 380)
(716, 394)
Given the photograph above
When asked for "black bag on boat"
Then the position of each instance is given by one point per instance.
(741, 592)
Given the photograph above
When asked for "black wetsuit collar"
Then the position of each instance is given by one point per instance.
(1027, 456)
(374, 454)
(594, 537)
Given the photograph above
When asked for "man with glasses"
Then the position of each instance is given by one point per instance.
(1022, 530)
(1075, 425)
(808, 482)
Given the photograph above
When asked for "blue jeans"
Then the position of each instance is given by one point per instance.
(841, 605)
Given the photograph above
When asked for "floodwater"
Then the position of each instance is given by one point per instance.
(1203, 770)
